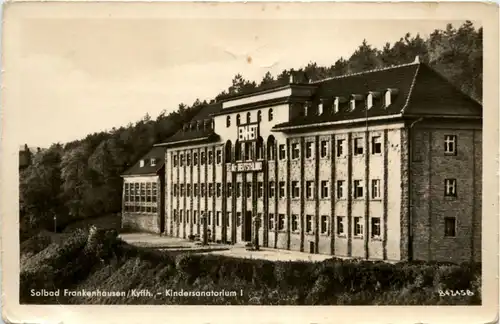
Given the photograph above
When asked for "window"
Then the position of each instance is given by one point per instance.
(219, 156)
(188, 190)
(229, 189)
(271, 222)
(195, 217)
(188, 216)
(320, 108)
(238, 120)
(183, 192)
(309, 190)
(153, 161)
(295, 150)
(238, 219)
(450, 187)
(324, 224)
(218, 219)
(209, 218)
(203, 190)
(181, 160)
(270, 114)
(358, 226)
(249, 190)
(228, 121)
(450, 226)
(352, 104)
(282, 189)
(249, 117)
(358, 189)
(295, 189)
(175, 192)
(228, 218)
(181, 214)
(259, 116)
(175, 216)
(309, 224)
(388, 97)
(309, 149)
(324, 189)
(141, 163)
(375, 227)
(195, 190)
(238, 189)
(219, 190)
(210, 157)
(195, 158)
(175, 160)
(281, 222)
(210, 189)
(376, 145)
(295, 223)
(188, 159)
(282, 152)
(271, 189)
(340, 147)
(450, 144)
(358, 146)
(336, 105)
(203, 158)
(340, 189)
(324, 149)
(376, 189)
(369, 101)
(260, 189)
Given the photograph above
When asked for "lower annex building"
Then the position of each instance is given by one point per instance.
(383, 164)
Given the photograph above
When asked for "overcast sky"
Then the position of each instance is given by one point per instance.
(73, 76)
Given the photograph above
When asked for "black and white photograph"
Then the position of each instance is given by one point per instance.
(271, 154)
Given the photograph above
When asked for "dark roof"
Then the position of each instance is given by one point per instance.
(197, 133)
(156, 152)
(420, 90)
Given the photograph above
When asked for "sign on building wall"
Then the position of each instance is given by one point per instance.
(248, 132)
(247, 166)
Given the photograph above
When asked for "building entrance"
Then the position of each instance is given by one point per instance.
(247, 235)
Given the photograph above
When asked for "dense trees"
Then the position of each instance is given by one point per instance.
(82, 179)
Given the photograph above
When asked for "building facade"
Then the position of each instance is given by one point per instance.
(382, 165)
(143, 199)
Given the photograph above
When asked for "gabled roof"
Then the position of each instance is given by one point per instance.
(157, 153)
(194, 133)
(420, 91)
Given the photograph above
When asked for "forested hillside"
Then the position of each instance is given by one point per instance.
(81, 179)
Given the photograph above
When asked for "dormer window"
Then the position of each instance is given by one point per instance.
(198, 125)
(352, 104)
(141, 163)
(336, 105)
(185, 127)
(320, 107)
(369, 101)
(388, 97)
(153, 161)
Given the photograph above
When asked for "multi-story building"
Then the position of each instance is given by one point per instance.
(143, 195)
(384, 164)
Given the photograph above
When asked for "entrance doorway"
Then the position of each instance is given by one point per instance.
(311, 247)
(247, 235)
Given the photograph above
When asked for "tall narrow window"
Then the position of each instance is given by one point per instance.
(376, 189)
(210, 189)
(309, 224)
(358, 189)
(249, 117)
(295, 151)
(228, 121)
(195, 158)
(270, 114)
(229, 189)
(271, 189)
(249, 190)
(219, 156)
(324, 189)
(282, 152)
(203, 158)
(309, 190)
(271, 148)
(388, 97)
(210, 157)
(450, 187)
(375, 227)
(324, 149)
(295, 189)
(295, 223)
(336, 105)
(340, 147)
(238, 189)
(369, 101)
(260, 189)
(281, 222)
(175, 160)
(202, 193)
(238, 120)
(188, 190)
(309, 150)
(358, 146)
(183, 192)
(195, 190)
(450, 144)
(181, 160)
(376, 145)
(340, 189)
(450, 226)
(271, 222)
(282, 189)
(259, 116)
(358, 226)
(324, 224)
(218, 219)
(219, 190)
(188, 159)
(340, 225)
(352, 104)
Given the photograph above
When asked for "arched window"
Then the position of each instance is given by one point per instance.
(238, 121)
(270, 114)
(249, 117)
(369, 101)
(260, 148)
(259, 116)
(228, 152)
(237, 151)
(271, 148)
(228, 121)
(336, 105)
(388, 97)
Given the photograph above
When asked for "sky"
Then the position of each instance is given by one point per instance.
(66, 77)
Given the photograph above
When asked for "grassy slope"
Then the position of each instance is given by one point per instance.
(107, 264)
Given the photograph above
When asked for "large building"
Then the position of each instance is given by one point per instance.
(384, 165)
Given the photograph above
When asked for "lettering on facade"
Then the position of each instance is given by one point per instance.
(247, 166)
